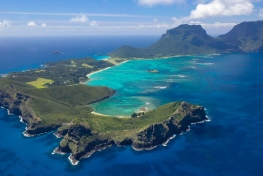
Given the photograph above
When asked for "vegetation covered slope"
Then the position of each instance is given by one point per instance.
(182, 40)
(46, 109)
(247, 35)
(66, 72)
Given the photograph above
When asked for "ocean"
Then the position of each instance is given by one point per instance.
(229, 86)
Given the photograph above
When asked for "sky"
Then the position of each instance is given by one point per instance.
(122, 17)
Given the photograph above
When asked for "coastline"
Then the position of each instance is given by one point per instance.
(96, 113)
(99, 114)
(88, 75)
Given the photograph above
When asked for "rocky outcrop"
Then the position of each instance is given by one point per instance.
(17, 104)
(159, 133)
(81, 141)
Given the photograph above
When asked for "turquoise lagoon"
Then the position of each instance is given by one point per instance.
(137, 88)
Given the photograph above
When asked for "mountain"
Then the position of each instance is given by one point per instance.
(247, 35)
(182, 40)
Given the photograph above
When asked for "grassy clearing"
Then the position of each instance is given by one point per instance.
(87, 65)
(116, 61)
(40, 83)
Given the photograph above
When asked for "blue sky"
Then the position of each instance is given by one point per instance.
(122, 17)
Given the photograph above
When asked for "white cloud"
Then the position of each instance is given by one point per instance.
(185, 20)
(196, 22)
(155, 20)
(217, 8)
(43, 24)
(93, 23)
(260, 13)
(159, 2)
(222, 8)
(178, 21)
(80, 18)
(6, 23)
(31, 23)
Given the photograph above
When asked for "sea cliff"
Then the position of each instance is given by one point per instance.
(81, 141)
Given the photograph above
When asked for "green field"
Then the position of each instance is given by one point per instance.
(40, 83)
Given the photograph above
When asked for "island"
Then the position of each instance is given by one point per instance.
(55, 98)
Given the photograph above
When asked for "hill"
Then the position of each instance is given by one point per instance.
(182, 40)
(247, 35)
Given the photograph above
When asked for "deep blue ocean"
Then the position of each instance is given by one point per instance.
(229, 86)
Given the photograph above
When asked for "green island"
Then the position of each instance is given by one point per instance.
(54, 97)
(47, 102)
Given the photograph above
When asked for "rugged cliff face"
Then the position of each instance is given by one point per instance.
(81, 141)
(159, 133)
(17, 103)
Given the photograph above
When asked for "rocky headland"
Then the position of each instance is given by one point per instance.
(81, 141)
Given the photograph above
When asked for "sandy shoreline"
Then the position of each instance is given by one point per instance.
(93, 112)
(96, 113)
(88, 75)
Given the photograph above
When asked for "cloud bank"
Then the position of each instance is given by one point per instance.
(222, 8)
(217, 8)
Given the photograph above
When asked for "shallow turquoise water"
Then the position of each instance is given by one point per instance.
(137, 88)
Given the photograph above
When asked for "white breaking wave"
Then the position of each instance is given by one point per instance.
(160, 87)
(179, 76)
